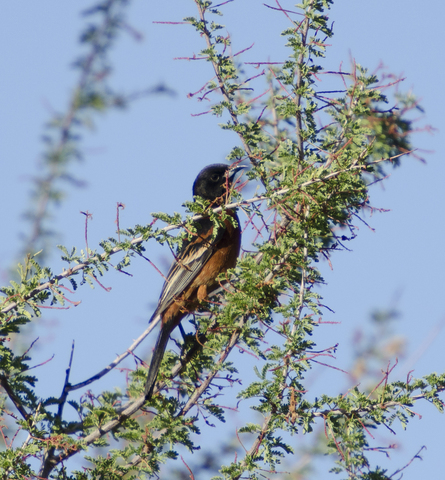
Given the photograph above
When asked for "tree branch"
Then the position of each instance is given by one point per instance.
(138, 240)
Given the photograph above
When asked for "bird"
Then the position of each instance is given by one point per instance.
(193, 274)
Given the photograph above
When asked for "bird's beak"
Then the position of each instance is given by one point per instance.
(234, 171)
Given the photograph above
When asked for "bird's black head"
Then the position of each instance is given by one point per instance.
(211, 182)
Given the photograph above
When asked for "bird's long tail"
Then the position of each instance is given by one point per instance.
(156, 359)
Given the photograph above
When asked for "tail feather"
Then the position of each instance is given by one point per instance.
(156, 360)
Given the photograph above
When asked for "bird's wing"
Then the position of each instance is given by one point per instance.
(192, 256)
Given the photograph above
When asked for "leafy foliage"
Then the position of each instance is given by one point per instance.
(313, 154)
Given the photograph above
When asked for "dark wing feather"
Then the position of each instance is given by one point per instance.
(192, 256)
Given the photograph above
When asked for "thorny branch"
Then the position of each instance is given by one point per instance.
(222, 86)
(138, 240)
(51, 460)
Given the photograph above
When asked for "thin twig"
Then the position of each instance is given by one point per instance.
(13, 397)
(117, 360)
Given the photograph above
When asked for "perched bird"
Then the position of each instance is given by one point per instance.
(198, 263)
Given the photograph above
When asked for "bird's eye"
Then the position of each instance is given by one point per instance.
(215, 177)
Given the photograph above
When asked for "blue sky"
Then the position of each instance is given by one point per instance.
(148, 155)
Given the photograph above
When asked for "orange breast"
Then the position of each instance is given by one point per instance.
(225, 254)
